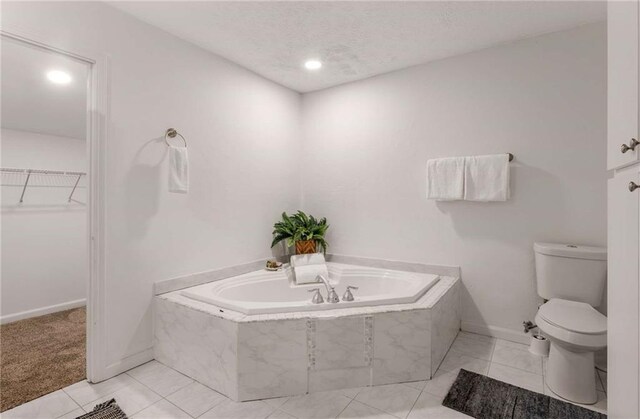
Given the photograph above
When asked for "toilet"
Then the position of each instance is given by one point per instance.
(571, 280)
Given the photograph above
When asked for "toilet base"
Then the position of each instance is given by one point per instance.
(570, 374)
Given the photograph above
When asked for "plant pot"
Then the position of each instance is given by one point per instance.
(305, 246)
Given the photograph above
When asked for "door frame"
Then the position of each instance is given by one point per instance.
(96, 137)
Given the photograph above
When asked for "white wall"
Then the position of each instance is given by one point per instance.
(44, 243)
(366, 145)
(542, 99)
(244, 137)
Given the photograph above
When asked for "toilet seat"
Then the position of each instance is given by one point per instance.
(574, 316)
(573, 323)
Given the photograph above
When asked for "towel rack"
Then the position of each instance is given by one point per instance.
(172, 133)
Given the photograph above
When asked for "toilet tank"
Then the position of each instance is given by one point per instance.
(571, 272)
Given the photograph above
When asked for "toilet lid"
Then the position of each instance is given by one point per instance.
(574, 316)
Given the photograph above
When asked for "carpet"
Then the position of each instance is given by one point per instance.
(106, 410)
(482, 397)
(41, 355)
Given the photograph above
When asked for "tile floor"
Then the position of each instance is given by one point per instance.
(155, 391)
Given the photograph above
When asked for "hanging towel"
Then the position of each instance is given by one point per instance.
(445, 178)
(486, 178)
(178, 169)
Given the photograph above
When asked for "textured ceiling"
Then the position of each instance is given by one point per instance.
(355, 40)
(32, 103)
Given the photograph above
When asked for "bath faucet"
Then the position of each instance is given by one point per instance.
(348, 296)
(317, 297)
(332, 296)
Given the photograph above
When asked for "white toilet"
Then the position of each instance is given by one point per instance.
(572, 279)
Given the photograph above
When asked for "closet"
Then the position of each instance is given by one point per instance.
(44, 190)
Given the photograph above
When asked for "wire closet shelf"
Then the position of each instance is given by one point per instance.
(38, 178)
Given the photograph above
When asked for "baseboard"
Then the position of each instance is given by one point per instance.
(9, 318)
(126, 364)
(496, 332)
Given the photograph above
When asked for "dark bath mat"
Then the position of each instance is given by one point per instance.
(106, 410)
(485, 398)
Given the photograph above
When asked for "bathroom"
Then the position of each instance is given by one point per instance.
(555, 84)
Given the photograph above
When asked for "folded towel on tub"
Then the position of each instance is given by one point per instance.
(307, 267)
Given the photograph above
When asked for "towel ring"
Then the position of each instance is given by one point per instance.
(172, 133)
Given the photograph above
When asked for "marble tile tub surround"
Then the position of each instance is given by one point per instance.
(139, 392)
(277, 355)
(174, 284)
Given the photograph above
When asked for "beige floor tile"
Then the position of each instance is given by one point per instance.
(396, 399)
(517, 377)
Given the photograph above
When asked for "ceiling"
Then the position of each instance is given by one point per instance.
(30, 102)
(354, 40)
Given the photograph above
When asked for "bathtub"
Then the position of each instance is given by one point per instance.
(264, 292)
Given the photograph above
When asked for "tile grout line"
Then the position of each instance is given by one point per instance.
(446, 371)
(544, 378)
(416, 400)
(422, 390)
(74, 400)
(273, 409)
(515, 368)
(446, 353)
(277, 410)
(91, 384)
(139, 382)
(170, 402)
(604, 388)
(376, 408)
(151, 390)
(215, 405)
(493, 350)
(345, 408)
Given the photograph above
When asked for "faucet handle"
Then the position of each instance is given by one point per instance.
(348, 296)
(333, 296)
(317, 297)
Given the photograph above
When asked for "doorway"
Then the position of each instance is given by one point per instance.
(45, 220)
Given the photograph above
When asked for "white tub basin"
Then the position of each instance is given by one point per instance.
(263, 292)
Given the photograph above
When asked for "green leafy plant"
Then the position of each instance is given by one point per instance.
(300, 227)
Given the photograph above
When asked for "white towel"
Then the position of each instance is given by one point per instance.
(308, 273)
(445, 178)
(178, 169)
(486, 178)
(307, 259)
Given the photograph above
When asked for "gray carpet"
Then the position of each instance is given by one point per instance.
(485, 398)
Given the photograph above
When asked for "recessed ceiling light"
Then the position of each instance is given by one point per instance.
(312, 65)
(59, 77)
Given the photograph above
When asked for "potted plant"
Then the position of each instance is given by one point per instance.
(302, 230)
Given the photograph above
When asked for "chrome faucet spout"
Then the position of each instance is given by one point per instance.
(332, 296)
(325, 281)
